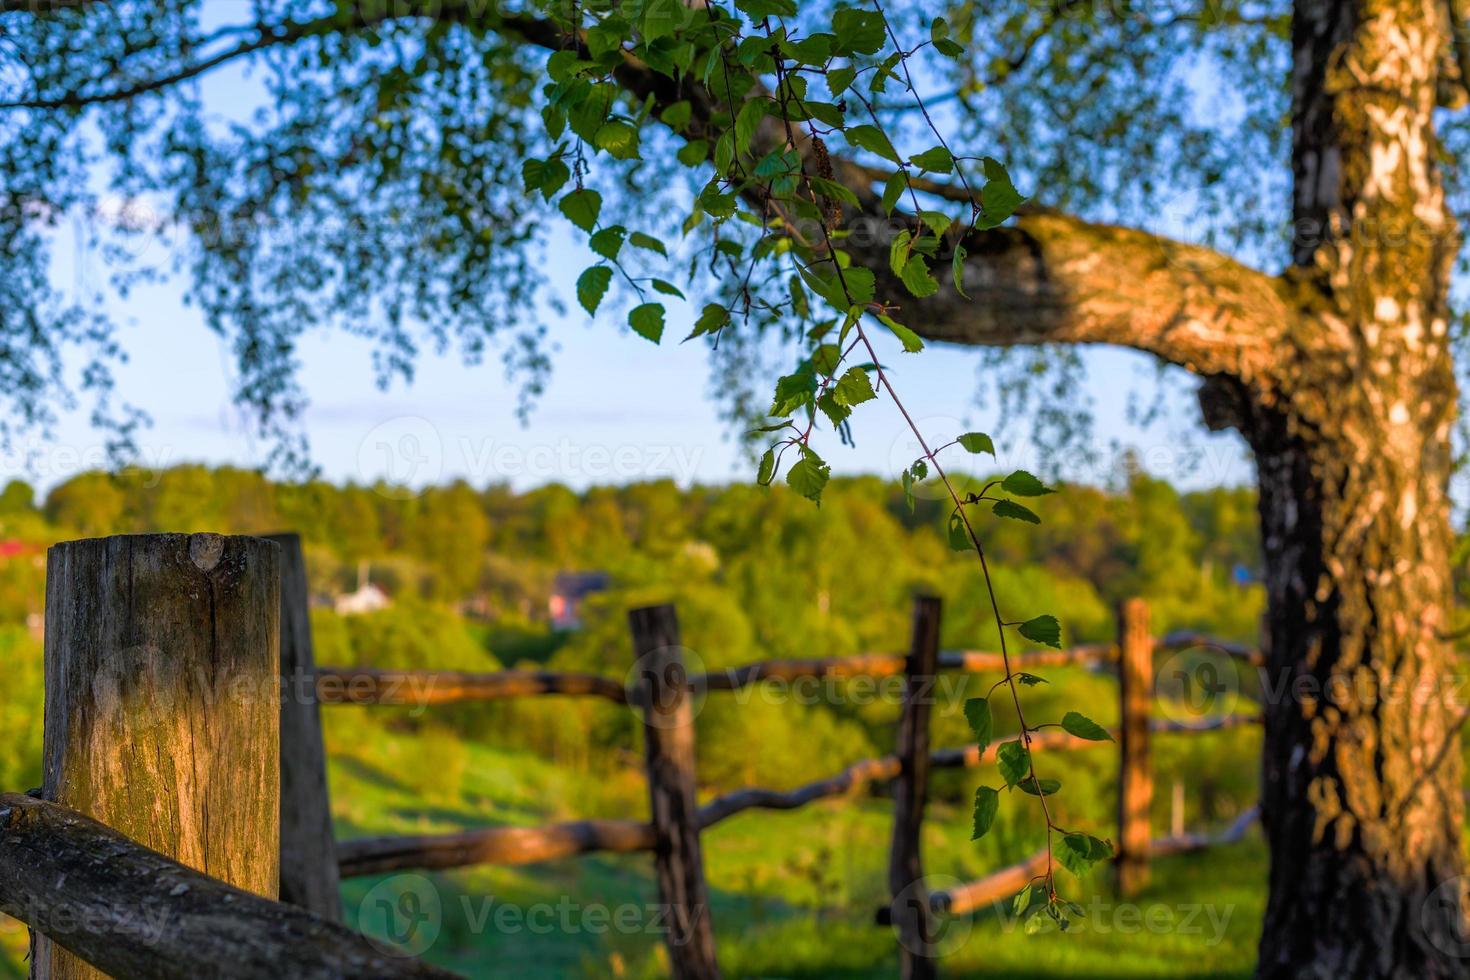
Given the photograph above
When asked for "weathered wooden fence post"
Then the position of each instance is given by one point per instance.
(309, 875)
(1135, 779)
(661, 690)
(162, 710)
(909, 911)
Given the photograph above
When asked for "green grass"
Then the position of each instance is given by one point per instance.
(793, 893)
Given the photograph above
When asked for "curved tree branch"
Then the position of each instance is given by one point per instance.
(1053, 278)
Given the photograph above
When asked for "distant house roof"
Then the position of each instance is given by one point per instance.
(576, 585)
(368, 598)
(568, 590)
(14, 548)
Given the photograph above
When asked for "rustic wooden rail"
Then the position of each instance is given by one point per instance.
(366, 686)
(133, 913)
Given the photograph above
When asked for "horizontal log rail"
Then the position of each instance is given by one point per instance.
(1006, 882)
(493, 845)
(371, 686)
(861, 665)
(138, 915)
(346, 685)
(847, 781)
(367, 686)
(1188, 843)
(529, 845)
(983, 662)
(1185, 639)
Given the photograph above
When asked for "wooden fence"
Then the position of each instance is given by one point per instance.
(662, 689)
(166, 802)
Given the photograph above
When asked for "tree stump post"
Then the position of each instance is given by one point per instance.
(1135, 779)
(910, 911)
(660, 688)
(309, 874)
(162, 703)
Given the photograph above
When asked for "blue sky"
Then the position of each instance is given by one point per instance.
(618, 408)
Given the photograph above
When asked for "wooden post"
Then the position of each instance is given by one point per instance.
(162, 702)
(1135, 780)
(309, 875)
(910, 910)
(661, 690)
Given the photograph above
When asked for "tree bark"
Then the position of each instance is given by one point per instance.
(1361, 795)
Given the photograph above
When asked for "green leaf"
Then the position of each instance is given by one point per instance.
(745, 124)
(893, 190)
(1013, 510)
(977, 442)
(987, 802)
(1013, 761)
(1028, 680)
(859, 31)
(1023, 900)
(761, 9)
(1042, 629)
(767, 471)
(725, 151)
(1078, 853)
(959, 536)
(838, 80)
(836, 412)
(608, 242)
(713, 317)
(935, 160)
(662, 18)
(693, 153)
(826, 358)
(619, 139)
(592, 286)
(648, 242)
(898, 251)
(809, 476)
(911, 341)
(937, 222)
(917, 278)
(957, 270)
(677, 116)
(872, 139)
(999, 196)
(647, 321)
(1023, 484)
(861, 284)
(1040, 787)
(1084, 727)
(582, 208)
(854, 388)
(982, 723)
(667, 288)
